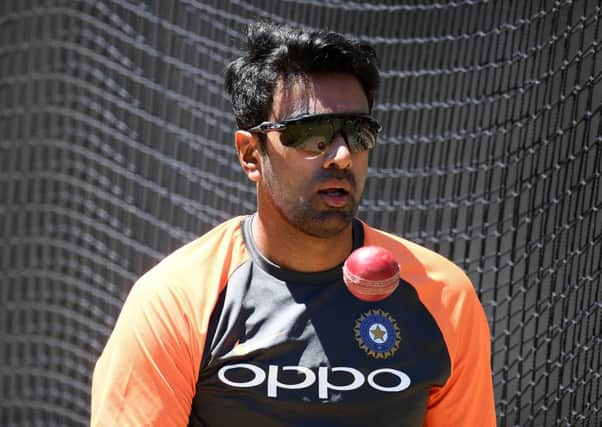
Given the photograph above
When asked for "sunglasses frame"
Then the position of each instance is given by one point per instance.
(281, 125)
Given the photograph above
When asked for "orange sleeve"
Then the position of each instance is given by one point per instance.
(148, 370)
(466, 399)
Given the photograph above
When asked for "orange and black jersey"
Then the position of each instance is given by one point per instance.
(217, 335)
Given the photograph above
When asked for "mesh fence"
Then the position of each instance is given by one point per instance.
(116, 148)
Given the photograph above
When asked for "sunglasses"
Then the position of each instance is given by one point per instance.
(314, 133)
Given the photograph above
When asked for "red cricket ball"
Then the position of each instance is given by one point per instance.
(371, 273)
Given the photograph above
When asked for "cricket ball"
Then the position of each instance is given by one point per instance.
(371, 273)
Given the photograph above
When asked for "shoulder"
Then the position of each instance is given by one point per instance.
(173, 301)
(419, 265)
(442, 286)
(185, 285)
(207, 260)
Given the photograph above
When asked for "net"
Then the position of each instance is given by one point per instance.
(116, 148)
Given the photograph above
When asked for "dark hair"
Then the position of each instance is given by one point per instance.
(279, 51)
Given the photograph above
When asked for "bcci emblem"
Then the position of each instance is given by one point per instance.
(377, 334)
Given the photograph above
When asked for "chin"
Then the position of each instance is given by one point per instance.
(325, 224)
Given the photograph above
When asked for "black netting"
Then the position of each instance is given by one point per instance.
(116, 147)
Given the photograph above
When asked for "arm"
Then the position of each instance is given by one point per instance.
(147, 372)
(466, 400)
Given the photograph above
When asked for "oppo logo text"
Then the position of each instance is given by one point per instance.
(377, 379)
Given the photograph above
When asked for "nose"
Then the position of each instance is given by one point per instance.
(337, 155)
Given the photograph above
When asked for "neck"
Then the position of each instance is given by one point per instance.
(293, 249)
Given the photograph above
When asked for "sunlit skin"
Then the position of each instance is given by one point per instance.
(303, 219)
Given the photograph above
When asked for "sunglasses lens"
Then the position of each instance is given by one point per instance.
(361, 134)
(315, 134)
(308, 135)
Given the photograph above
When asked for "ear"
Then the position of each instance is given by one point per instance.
(249, 154)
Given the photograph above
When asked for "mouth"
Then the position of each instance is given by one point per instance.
(335, 197)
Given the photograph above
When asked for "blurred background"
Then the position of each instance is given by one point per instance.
(116, 147)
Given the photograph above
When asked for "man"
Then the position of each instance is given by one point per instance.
(251, 324)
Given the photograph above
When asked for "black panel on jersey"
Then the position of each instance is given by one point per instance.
(297, 349)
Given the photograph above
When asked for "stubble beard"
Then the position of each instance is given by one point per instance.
(319, 223)
(302, 214)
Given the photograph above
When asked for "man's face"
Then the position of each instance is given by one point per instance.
(316, 193)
